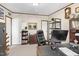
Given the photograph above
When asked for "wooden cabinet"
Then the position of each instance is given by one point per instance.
(32, 39)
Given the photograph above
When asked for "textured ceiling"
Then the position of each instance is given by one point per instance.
(42, 8)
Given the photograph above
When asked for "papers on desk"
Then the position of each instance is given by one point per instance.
(67, 51)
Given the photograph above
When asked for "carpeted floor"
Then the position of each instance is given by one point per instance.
(23, 50)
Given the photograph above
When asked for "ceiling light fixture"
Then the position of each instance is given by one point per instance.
(35, 4)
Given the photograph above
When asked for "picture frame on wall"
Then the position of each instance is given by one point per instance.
(67, 12)
(77, 10)
(32, 26)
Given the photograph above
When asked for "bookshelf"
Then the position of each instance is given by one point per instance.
(24, 37)
(74, 29)
(54, 24)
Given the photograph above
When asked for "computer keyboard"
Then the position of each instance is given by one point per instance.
(67, 51)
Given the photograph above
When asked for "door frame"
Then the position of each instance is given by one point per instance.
(11, 26)
(47, 27)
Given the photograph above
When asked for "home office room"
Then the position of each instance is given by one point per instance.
(39, 29)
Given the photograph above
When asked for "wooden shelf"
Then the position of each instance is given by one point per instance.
(24, 37)
(73, 29)
(53, 25)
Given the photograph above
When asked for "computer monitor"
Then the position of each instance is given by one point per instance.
(60, 34)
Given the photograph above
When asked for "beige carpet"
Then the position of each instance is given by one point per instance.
(23, 50)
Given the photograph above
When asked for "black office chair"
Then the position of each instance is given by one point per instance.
(40, 38)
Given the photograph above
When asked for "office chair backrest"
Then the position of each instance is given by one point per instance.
(40, 37)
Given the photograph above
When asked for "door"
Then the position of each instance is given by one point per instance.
(9, 29)
(44, 27)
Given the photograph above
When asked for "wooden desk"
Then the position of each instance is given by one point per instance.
(47, 51)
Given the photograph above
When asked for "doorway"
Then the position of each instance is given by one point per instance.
(8, 21)
(44, 27)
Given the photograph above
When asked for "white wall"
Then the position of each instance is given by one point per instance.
(64, 22)
(25, 19)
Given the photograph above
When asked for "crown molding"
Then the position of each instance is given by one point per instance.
(6, 8)
(35, 14)
(21, 12)
(29, 14)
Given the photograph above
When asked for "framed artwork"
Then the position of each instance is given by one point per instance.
(67, 12)
(77, 9)
(32, 26)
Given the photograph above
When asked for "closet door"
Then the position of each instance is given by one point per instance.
(9, 29)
